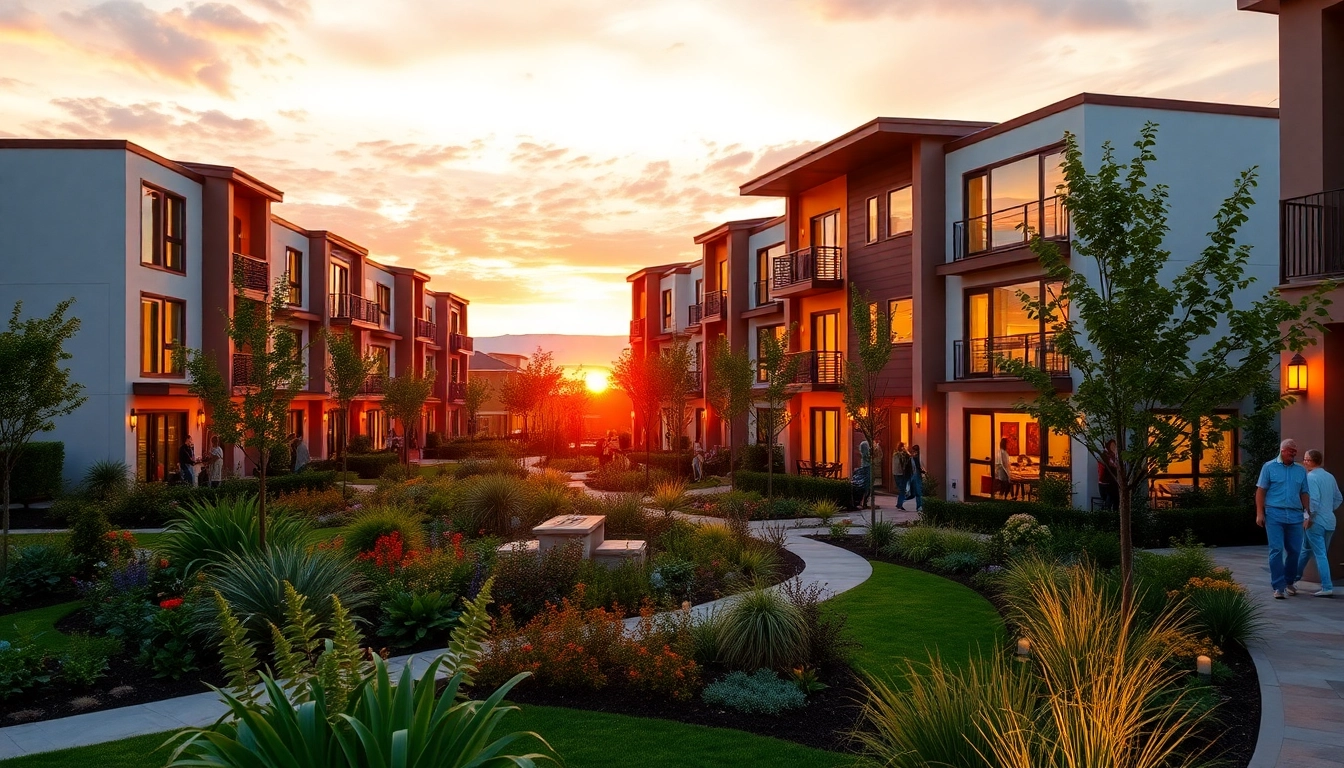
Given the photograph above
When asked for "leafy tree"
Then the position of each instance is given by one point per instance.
(529, 391)
(637, 376)
(731, 377)
(478, 391)
(404, 400)
(674, 365)
(1155, 353)
(347, 370)
(34, 389)
(872, 330)
(780, 369)
(253, 414)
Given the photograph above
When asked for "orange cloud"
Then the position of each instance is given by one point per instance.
(101, 117)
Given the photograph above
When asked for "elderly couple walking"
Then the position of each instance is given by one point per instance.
(1294, 502)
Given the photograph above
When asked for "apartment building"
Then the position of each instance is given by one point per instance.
(495, 420)
(926, 218)
(148, 247)
(1311, 190)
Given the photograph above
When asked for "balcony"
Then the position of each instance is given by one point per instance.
(374, 384)
(460, 342)
(819, 369)
(457, 391)
(1010, 228)
(761, 294)
(712, 307)
(1312, 237)
(426, 329)
(981, 358)
(814, 269)
(241, 374)
(637, 329)
(348, 307)
(693, 382)
(696, 314)
(256, 272)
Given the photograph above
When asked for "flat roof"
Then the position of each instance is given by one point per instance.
(238, 176)
(113, 144)
(836, 157)
(1263, 6)
(726, 227)
(660, 270)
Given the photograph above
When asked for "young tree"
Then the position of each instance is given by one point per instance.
(781, 370)
(34, 389)
(674, 365)
(1155, 352)
(347, 370)
(637, 376)
(872, 330)
(404, 400)
(516, 398)
(254, 414)
(478, 391)
(731, 377)
(529, 391)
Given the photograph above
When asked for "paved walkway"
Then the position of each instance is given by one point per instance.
(1300, 661)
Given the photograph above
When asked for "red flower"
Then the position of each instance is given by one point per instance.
(171, 603)
(163, 563)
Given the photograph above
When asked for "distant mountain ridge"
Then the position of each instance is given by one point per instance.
(591, 351)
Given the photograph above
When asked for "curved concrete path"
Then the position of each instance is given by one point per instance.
(1300, 662)
(835, 568)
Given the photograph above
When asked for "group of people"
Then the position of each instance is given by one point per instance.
(213, 461)
(907, 471)
(1296, 502)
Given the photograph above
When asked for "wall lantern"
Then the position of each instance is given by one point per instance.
(1297, 375)
(200, 417)
(1023, 649)
(918, 421)
(1204, 666)
(325, 416)
(135, 420)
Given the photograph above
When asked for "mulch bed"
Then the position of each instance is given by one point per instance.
(1233, 730)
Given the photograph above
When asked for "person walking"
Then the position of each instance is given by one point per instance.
(900, 473)
(697, 461)
(301, 454)
(916, 478)
(186, 461)
(1320, 523)
(1108, 477)
(1002, 477)
(215, 462)
(1282, 506)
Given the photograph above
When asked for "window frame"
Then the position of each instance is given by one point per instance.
(381, 290)
(872, 220)
(777, 328)
(891, 313)
(293, 259)
(163, 302)
(161, 237)
(987, 170)
(668, 312)
(904, 188)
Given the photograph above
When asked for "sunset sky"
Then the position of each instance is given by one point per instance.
(529, 155)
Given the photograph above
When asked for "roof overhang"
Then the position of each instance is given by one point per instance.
(659, 270)
(336, 239)
(877, 138)
(241, 178)
(728, 226)
(1262, 6)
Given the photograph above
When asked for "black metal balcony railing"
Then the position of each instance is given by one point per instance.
(241, 375)
(815, 262)
(426, 329)
(374, 384)
(1312, 236)
(981, 358)
(348, 306)
(256, 272)
(696, 314)
(693, 380)
(712, 307)
(461, 342)
(819, 368)
(1010, 227)
(457, 391)
(762, 293)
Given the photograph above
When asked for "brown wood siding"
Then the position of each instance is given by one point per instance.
(882, 269)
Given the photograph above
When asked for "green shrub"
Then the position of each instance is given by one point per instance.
(149, 505)
(37, 473)
(798, 486)
(574, 464)
(626, 586)
(1227, 615)
(497, 504)
(372, 523)
(923, 543)
(1226, 526)
(824, 510)
(87, 541)
(107, 479)
(609, 478)
(625, 515)
(546, 502)
(23, 666)
(959, 562)
(359, 445)
(527, 582)
(168, 649)
(496, 466)
(209, 531)
(410, 617)
(1170, 572)
(758, 562)
(829, 639)
(670, 497)
(1054, 491)
(669, 464)
(253, 584)
(761, 629)
(760, 693)
(369, 466)
(84, 661)
(39, 570)
(754, 457)
(778, 508)
(880, 535)
(1073, 545)
(395, 473)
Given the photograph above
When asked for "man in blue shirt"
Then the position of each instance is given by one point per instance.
(1282, 505)
(1320, 525)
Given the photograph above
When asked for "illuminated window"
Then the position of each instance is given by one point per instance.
(385, 299)
(294, 275)
(872, 220)
(902, 313)
(162, 229)
(900, 212)
(163, 328)
(667, 310)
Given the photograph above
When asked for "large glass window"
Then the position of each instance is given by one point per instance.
(1033, 451)
(294, 275)
(163, 329)
(384, 300)
(765, 259)
(826, 229)
(762, 333)
(902, 313)
(667, 310)
(158, 436)
(163, 224)
(825, 435)
(1210, 461)
(998, 324)
(1005, 202)
(900, 212)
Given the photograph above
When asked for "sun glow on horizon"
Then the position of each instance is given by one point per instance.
(597, 381)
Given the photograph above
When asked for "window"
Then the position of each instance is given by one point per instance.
(998, 324)
(826, 229)
(430, 366)
(902, 312)
(765, 259)
(825, 437)
(900, 212)
(294, 424)
(163, 329)
(375, 426)
(762, 333)
(294, 275)
(667, 310)
(297, 334)
(340, 279)
(455, 321)
(1006, 202)
(1210, 464)
(428, 312)
(871, 232)
(157, 440)
(1035, 452)
(384, 300)
(455, 370)
(163, 225)
(384, 356)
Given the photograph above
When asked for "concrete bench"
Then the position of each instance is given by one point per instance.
(562, 529)
(529, 547)
(613, 552)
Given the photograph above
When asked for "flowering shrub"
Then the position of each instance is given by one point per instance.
(1019, 534)
(395, 567)
(322, 507)
(389, 554)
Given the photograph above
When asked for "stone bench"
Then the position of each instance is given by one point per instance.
(529, 547)
(613, 552)
(562, 529)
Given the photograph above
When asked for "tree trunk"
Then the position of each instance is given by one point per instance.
(345, 454)
(732, 451)
(261, 500)
(4, 540)
(647, 450)
(1126, 549)
(770, 469)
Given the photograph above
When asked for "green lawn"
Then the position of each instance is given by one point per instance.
(138, 752)
(147, 540)
(901, 613)
(41, 620)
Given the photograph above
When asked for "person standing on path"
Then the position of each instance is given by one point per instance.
(1320, 523)
(900, 473)
(1282, 506)
(186, 461)
(916, 478)
(216, 462)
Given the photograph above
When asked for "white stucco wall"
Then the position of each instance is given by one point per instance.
(282, 238)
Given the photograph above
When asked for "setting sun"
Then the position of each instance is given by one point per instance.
(597, 381)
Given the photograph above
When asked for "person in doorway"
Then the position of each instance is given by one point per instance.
(301, 454)
(1320, 523)
(697, 461)
(916, 478)
(186, 461)
(215, 463)
(900, 473)
(1108, 477)
(1282, 507)
(1003, 478)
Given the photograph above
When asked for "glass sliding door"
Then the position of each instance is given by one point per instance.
(158, 436)
(825, 437)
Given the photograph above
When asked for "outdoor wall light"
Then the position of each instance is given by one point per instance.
(200, 417)
(1023, 648)
(325, 416)
(918, 421)
(135, 420)
(1297, 375)
(1204, 666)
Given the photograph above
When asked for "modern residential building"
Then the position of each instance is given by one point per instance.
(1311, 216)
(148, 247)
(926, 218)
(494, 420)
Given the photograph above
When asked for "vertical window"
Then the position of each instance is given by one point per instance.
(723, 276)
(455, 370)
(384, 299)
(430, 365)
(163, 328)
(826, 229)
(825, 442)
(900, 212)
(162, 230)
(455, 320)
(294, 275)
(340, 279)
(762, 334)
(871, 230)
(667, 310)
(902, 313)
(384, 359)
(698, 364)
(294, 424)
